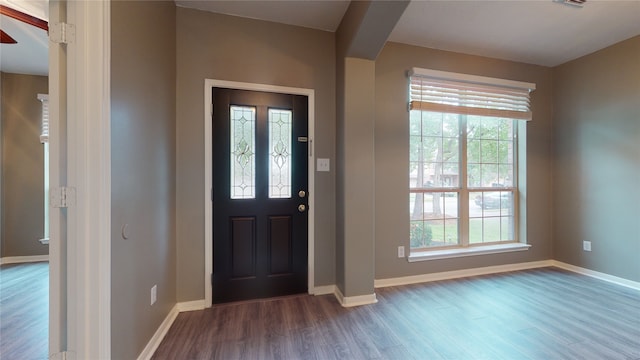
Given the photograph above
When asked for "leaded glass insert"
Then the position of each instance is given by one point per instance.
(243, 145)
(279, 153)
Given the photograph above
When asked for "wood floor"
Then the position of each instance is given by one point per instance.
(24, 311)
(535, 314)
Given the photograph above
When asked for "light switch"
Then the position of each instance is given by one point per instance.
(322, 165)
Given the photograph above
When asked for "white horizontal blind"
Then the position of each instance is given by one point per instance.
(44, 134)
(441, 91)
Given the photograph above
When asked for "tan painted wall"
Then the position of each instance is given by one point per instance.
(392, 157)
(22, 166)
(143, 77)
(597, 167)
(230, 48)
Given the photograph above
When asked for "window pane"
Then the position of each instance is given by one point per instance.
(279, 153)
(434, 219)
(489, 175)
(450, 127)
(507, 228)
(475, 231)
(489, 151)
(506, 129)
(434, 155)
(491, 216)
(243, 146)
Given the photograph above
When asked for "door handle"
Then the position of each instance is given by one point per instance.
(302, 208)
(302, 193)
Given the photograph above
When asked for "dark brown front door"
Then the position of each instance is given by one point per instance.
(259, 194)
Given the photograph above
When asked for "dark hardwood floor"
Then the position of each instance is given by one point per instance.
(535, 314)
(24, 311)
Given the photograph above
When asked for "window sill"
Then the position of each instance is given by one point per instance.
(44, 241)
(469, 251)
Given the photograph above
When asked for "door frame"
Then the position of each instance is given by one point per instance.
(208, 180)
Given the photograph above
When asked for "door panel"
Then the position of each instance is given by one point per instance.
(259, 168)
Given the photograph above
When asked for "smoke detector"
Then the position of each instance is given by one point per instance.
(574, 3)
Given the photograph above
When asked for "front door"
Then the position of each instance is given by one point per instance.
(259, 194)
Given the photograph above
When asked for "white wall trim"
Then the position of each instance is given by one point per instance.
(208, 148)
(598, 275)
(159, 335)
(351, 301)
(161, 332)
(447, 275)
(324, 290)
(191, 305)
(23, 259)
(88, 251)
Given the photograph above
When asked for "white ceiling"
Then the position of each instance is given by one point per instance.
(539, 32)
(315, 14)
(31, 54)
(532, 31)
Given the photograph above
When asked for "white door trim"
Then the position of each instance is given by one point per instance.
(88, 246)
(208, 148)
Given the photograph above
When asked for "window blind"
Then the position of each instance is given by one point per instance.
(44, 133)
(440, 91)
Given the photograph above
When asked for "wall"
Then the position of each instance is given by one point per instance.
(392, 157)
(224, 47)
(597, 167)
(143, 76)
(22, 165)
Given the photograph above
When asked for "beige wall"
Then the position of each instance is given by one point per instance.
(392, 157)
(22, 165)
(213, 46)
(143, 76)
(597, 160)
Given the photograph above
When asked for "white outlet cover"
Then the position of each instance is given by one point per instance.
(322, 165)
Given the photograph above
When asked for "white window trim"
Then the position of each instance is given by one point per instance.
(457, 252)
(465, 249)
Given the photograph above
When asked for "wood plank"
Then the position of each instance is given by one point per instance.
(24, 311)
(534, 314)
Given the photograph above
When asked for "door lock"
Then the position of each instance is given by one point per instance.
(302, 193)
(302, 208)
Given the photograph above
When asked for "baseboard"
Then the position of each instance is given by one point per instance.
(350, 301)
(324, 290)
(598, 275)
(157, 337)
(23, 259)
(191, 305)
(447, 275)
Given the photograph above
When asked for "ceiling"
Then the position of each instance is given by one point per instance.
(539, 32)
(31, 54)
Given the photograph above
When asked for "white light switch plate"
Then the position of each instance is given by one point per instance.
(322, 165)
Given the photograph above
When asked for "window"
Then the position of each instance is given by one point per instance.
(463, 169)
(44, 139)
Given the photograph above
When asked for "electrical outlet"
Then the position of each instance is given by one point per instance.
(586, 245)
(400, 251)
(322, 165)
(154, 294)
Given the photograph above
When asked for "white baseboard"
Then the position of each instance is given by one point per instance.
(191, 305)
(324, 290)
(350, 301)
(598, 275)
(23, 259)
(447, 275)
(157, 337)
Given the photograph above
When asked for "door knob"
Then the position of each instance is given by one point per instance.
(302, 208)
(302, 193)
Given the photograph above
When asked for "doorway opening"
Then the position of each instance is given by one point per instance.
(210, 84)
